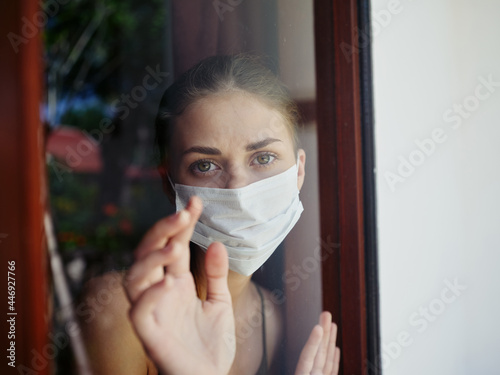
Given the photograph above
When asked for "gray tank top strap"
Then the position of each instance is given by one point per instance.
(263, 364)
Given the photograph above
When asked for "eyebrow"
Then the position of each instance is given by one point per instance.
(203, 150)
(215, 151)
(256, 145)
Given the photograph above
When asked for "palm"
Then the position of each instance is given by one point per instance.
(192, 330)
(181, 333)
(320, 356)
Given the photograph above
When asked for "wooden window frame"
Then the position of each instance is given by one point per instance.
(23, 194)
(347, 181)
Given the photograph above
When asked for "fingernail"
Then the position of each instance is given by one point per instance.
(197, 202)
(183, 215)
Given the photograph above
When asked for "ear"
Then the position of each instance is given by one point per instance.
(301, 168)
(167, 186)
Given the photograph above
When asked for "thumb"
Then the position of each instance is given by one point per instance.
(216, 269)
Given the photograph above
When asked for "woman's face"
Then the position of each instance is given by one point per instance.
(229, 141)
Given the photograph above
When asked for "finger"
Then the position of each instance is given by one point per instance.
(148, 271)
(216, 269)
(181, 239)
(194, 208)
(336, 361)
(325, 320)
(157, 237)
(142, 312)
(330, 358)
(308, 354)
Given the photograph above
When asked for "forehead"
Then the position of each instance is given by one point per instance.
(230, 118)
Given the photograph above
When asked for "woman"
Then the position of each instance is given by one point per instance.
(226, 133)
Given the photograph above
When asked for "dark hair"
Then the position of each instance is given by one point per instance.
(218, 74)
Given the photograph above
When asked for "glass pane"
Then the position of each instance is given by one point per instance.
(108, 64)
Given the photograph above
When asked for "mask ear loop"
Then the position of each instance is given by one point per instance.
(171, 183)
(173, 189)
(297, 166)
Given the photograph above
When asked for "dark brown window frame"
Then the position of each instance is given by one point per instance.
(347, 182)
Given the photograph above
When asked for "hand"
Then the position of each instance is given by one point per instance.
(320, 356)
(181, 333)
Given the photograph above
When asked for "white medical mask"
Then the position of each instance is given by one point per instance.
(250, 221)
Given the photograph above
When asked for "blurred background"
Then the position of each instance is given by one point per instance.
(99, 111)
(106, 68)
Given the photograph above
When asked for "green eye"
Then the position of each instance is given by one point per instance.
(263, 159)
(204, 166)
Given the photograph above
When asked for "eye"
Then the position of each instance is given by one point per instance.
(264, 159)
(203, 166)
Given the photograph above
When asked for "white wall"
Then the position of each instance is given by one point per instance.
(438, 221)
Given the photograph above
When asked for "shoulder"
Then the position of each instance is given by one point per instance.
(103, 303)
(111, 343)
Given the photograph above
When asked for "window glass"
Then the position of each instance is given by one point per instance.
(107, 66)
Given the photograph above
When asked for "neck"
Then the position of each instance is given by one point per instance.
(239, 287)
